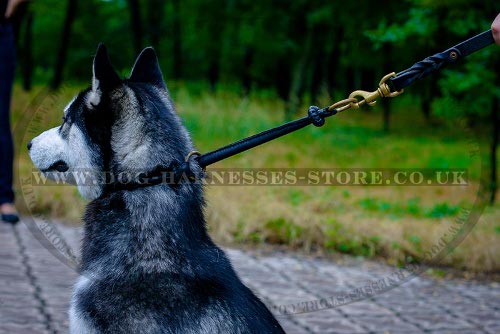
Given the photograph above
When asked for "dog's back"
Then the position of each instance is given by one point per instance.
(155, 279)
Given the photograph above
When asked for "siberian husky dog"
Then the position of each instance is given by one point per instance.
(148, 264)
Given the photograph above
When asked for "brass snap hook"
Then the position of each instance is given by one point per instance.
(366, 98)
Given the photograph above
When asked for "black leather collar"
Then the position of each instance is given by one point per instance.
(172, 175)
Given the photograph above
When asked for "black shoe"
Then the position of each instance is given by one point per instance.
(10, 218)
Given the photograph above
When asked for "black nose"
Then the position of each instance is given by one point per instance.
(29, 145)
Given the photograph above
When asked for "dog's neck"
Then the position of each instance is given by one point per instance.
(173, 175)
(144, 231)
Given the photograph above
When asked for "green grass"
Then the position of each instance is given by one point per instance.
(411, 207)
(394, 223)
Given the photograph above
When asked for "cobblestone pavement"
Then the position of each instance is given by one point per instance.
(35, 288)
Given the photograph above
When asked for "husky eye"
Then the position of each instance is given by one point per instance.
(65, 119)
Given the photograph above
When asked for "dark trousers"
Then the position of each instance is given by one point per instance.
(7, 65)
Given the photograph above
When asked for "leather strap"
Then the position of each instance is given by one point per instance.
(315, 116)
(436, 62)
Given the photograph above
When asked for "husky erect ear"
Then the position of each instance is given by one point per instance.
(105, 77)
(146, 69)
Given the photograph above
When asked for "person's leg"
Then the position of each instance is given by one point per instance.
(7, 65)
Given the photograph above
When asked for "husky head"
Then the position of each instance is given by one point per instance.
(115, 126)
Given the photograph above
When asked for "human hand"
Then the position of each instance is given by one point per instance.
(11, 7)
(495, 29)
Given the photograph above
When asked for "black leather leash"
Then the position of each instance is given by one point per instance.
(391, 85)
(317, 116)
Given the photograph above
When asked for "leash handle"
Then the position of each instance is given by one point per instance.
(436, 62)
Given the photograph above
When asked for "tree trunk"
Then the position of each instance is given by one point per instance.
(333, 63)
(297, 86)
(283, 76)
(213, 74)
(426, 108)
(316, 78)
(177, 41)
(27, 68)
(63, 46)
(23, 37)
(135, 25)
(495, 119)
(386, 105)
(155, 12)
(17, 18)
(246, 78)
(428, 93)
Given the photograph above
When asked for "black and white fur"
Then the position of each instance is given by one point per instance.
(148, 264)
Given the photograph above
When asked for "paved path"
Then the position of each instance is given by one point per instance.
(35, 289)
